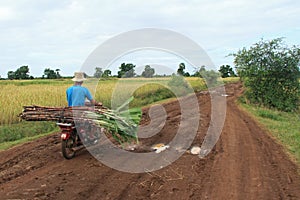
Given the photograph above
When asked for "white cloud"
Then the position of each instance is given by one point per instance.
(6, 13)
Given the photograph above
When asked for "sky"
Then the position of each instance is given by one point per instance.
(61, 34)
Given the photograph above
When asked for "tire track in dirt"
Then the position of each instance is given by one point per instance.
(245, 164)
(21, 163)
(252, 165)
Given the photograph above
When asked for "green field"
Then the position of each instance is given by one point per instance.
(18, 93)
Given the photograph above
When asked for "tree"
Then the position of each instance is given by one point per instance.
(187, 74)
(98, 72)
(181, 68)
(20, 73)
(11, 75)
(126, 70)
(148, 72)
(270, 72)
(106, 73)
(51, 74)
(226, 71)
(57, 73)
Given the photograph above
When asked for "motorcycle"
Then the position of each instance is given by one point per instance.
(75, 136)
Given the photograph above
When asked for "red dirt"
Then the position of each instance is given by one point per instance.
(246, 163)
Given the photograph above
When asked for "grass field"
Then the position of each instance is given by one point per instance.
(17, 93)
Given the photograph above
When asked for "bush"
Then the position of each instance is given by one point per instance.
(270, 72)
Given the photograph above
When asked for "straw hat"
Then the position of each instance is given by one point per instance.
(78, 77)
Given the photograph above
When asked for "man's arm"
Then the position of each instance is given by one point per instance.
(90, 98)
(96, 103)
(69, 96)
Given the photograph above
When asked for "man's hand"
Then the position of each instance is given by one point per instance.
(93, 103)
(98, 104)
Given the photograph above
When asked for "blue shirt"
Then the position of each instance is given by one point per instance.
(76, 95)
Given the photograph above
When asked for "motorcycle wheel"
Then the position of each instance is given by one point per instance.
(66, 147)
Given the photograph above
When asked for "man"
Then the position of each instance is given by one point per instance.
(76, 94)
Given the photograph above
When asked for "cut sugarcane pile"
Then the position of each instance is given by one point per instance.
(121, 125)
(59, 114)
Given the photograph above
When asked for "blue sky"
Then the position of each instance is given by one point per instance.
(62, 33)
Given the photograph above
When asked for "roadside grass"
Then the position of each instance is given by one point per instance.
(7, 145)
(17, 93)
(14, 134)
(285, 127)
(24, 129)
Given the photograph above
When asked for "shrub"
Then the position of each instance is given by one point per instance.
(270, 72)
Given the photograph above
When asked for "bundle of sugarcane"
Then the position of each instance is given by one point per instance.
(61, 114)
(121, 125)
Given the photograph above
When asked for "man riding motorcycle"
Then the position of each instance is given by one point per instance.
(76, 96)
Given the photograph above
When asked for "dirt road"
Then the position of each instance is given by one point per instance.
(245, 164)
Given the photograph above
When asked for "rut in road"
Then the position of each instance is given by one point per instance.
(246, 163)
(252, 165)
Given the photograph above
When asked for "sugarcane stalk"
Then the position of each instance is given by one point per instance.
(114, 122)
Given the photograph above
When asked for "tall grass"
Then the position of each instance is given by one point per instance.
(18, 93)
(13, 98)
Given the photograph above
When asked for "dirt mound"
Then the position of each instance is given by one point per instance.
(245, 164)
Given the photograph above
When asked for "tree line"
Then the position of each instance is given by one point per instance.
(269, 71)
(23, 73)
(126, 70)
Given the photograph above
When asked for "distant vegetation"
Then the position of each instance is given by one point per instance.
(20, 73)
(148, 72)
(227, 71)
(51, 74)
(126, 70)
